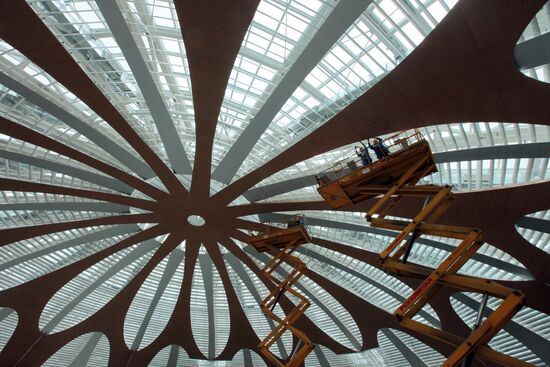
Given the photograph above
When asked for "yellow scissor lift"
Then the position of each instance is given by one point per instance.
(284, 242)
(391, 179)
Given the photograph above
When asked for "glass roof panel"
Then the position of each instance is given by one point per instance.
(377, 41)
(279, 32)
(154, 303)
(524, 337)
(538, 237)
(13, 106)
(395, 347)
(368, 358)
(90, 290)
(8, 323)
(90, 349)
(458, 137)
(210, 320)
(250, 291)
(105, 63)
(29, 259)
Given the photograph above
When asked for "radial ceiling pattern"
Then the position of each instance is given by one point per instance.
(140, 140)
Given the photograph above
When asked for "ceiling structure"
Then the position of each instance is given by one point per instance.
(122, 122)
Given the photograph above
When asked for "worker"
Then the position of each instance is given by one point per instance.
(363, 153)
(378, 148)
(298, 220)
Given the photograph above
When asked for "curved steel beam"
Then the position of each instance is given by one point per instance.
(26, 186)
(484, 259)
(262, 257)
(11, 235)
(82, 174)
(23, 133)
(315, 255)
(409, 355)
(174, 261)
(339, 20)
(84, 355)
(159, 112)
(134, 255)
(239, 269)
(446, 79)
(536, 343)
(92, 237)
(78, 125)
(534, 150)
(23, 29)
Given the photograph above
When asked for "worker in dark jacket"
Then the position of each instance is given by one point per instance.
(378, 148)
(363, 153)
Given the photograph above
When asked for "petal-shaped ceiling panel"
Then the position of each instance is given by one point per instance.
(401, 349)
(60, 208)
(529, 60)
(324, 357)
(359, 54)
(330, 316)
(8, 323)
(263, 59)
(175, 356)
(170, 356)
(154, 303)
(135, 87)
(29, 259)
(535, 228)
(373, 285)
(90, 349)
(90, 290)
(251, 291)
(525, 337)
(41, 99)
(210, 321)
(247, 358)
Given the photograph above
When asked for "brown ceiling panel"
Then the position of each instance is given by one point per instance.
(30, 298)
(11, 235)
(212, 33)
(17, 185)
(463, 71)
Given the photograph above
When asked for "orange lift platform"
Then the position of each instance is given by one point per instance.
(283, 242)
(391, 179)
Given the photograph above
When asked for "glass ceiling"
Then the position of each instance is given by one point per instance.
(470, 156)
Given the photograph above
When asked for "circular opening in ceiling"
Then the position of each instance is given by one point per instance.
(196, 220)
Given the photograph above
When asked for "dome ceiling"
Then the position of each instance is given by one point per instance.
(140, 141)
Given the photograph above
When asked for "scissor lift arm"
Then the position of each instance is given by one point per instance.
(394, 260)
(392, 179)
(285, 242)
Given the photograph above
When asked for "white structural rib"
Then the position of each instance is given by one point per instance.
(339, 20)
(80, 126)
(165, 125)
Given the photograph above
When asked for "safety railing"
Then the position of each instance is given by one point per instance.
(394, 143)
(267, 228)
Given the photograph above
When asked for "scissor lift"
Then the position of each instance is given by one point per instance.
(284, 242)
(393, 178)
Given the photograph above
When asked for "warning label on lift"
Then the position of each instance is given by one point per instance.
(417, 293)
